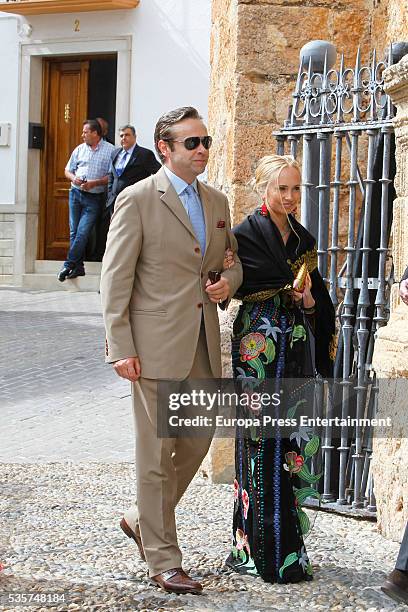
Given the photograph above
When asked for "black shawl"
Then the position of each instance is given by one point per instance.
(269, 264)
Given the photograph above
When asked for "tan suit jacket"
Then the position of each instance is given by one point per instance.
(153, 278)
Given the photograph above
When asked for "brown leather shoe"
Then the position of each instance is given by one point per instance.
(177, 581)
(396, 586)
(131, 534)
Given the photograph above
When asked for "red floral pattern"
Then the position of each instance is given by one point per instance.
(236, 489)
(294, 462)
(245, 502)
(242, 541)
(251, 346)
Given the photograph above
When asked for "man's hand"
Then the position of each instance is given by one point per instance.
(88, 185)
(403, 289)
(128, 368)
(77, 181)
(218, 292)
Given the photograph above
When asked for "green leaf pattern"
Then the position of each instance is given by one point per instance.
(298, 333)
(304, 521)
(304, 493)
(305, 474)
(292, 558)
(312, 446)
(269, 351)
(257, 365)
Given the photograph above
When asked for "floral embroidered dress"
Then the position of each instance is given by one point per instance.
(274, 339)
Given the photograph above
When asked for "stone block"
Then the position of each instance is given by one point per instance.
(388, 462)
(270, 37)
(348, 30)
(251, 143)
(6, 248)
(6, 267)
(255, 99)
(6, 217)
(6, 279)
(6, 230)
(397, 21)
(245, 202)
(219, 463)
(390, 357)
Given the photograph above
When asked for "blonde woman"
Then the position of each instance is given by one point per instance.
(283, 330)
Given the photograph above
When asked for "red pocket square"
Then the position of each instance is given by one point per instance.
(221, 224)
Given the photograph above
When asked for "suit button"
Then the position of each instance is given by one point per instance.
(197, 250)
(199, 305)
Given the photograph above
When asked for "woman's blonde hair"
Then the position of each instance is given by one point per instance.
(269, 169)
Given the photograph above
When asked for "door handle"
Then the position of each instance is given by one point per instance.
(63, 189)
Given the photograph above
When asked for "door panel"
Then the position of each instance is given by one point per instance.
(65, 109)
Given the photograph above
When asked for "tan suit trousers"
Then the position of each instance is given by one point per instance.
(164, 469)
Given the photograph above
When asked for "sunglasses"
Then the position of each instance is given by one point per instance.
(192, 142)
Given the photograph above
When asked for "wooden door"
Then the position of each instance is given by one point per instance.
(65, 101)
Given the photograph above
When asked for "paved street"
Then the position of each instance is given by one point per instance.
(66, 474)
(60, 401)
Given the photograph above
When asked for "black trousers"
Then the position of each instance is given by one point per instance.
(402, 559)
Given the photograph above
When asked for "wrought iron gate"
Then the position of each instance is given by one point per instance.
(340, 124)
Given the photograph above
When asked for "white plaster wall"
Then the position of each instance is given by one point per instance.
(169, 67)
(170, 52)
(9, 80)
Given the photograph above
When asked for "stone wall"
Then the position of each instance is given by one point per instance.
(6, 244)
(391, 350)
(223, 87)
(254, 59)
(388, 21)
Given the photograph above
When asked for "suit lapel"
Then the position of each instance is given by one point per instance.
(170, 198)
(208, 213)
(114, 159)
(132, 157)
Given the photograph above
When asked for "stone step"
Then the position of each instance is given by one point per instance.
(42, 266)
(49, 282)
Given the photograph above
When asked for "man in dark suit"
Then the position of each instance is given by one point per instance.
(130, 164)
(396, 584)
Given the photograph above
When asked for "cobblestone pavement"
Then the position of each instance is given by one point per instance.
(66, 474)
(58, 398)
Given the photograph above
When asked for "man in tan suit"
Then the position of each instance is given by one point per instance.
(160, 310)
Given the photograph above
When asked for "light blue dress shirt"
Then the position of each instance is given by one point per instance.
(192, 204)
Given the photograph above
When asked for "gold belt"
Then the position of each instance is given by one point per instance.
(266, 294)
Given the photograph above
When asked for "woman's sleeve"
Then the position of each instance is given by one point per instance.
(324, 326)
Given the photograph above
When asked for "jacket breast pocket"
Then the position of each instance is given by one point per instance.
(149, 313)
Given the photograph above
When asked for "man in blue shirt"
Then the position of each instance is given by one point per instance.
(87, 169)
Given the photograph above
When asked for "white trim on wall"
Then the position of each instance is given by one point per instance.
(30, 52)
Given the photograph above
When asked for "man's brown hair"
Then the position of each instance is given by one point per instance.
(164, 125)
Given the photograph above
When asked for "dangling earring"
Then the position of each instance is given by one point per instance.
(264, 210)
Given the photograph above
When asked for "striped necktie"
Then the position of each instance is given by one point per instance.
(196, 215)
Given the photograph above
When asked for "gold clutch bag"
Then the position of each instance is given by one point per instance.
(301, 278)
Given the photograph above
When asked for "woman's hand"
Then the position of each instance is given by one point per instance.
(228, 260)
(306, 296)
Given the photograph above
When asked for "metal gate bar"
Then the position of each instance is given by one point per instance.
(345, 114)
